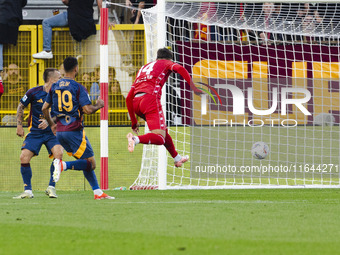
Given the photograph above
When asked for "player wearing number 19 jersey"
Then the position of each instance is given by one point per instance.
(144, 99)
(69, 100)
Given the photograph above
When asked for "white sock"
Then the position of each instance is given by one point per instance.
(136, 138)
(98, 192)
(177, 158)
(29, 192)
(51, 187)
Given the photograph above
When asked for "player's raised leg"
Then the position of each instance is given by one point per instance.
(57, 151)
(150, 138)
(156, 137)
(169, 145)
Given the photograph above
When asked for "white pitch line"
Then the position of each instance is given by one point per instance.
(211, 202)
(16, 203)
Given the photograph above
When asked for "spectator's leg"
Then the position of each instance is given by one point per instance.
(59, 20)
(77, 50)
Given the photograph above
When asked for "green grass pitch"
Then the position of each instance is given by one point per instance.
(299, 221)
(261, 221)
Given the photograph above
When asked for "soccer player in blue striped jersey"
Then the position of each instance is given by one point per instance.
(68, 101)
(39, 133)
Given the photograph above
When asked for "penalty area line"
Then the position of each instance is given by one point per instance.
(212, 202)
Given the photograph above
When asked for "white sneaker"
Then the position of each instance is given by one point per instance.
(58, 168)
(182, 161)
(51, 192)
(131, 142)
(43, 55)
(25, 194)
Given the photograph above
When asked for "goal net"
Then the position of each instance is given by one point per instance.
(271, 73)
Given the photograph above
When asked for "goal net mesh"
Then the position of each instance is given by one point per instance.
(272, 72)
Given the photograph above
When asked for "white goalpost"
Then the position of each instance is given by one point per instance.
(270, 72)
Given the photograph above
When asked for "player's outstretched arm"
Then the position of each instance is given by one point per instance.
(90, 108)
(186, 76)
(129, 105)
(20, 118)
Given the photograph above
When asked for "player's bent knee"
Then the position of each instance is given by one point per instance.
(25, 156)
(24, 159)
(57, 151)
(91, 164)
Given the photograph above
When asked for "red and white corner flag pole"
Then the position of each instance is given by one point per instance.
(104, 112)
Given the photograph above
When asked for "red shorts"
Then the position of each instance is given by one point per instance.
(149, 108)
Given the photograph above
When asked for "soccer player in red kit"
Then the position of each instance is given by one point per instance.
(144, 99)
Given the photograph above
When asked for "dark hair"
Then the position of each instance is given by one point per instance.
(70, 63)
(164, 53)
(48, 73)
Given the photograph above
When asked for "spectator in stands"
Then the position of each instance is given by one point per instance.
(308, 26)
(86, 77)
(95, 89)
(10, 20)
(79, 17)
(14, 87)
(269, 19)
(86, 80)
(251, 12)
(116, 99)
(202, 31)
(12, 79)
(113, 82)
(140, 4)
(12, 74)
(305, 10)
(327, 16)
(233, 13)
(307, 21)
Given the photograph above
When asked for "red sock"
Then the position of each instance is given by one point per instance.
(151, 138)
(169, 145)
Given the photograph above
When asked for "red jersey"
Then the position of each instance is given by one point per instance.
(151, 78)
